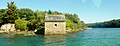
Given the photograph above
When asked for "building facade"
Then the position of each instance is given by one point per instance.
(55, 24)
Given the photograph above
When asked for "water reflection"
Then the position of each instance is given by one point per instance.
(55, 40)
(39, 40)
(96, 37)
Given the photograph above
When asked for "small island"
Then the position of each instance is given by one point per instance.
(15, 20)
(59, 22)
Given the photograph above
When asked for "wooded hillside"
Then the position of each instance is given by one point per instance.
(27, 19)
(106, 24)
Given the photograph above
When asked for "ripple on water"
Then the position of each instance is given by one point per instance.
(94, 37)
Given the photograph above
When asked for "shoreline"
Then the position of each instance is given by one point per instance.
(32, 33)
(28, 33)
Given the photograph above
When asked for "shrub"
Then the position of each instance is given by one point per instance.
(21, 24)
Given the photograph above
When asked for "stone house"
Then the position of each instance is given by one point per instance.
(55, 24)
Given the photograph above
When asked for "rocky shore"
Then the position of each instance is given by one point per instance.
(28, 33)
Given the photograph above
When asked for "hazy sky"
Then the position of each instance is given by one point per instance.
(89, 11)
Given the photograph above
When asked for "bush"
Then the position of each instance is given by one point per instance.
(70, 24)
(21, 24)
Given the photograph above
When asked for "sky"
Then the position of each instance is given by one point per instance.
(89, 11)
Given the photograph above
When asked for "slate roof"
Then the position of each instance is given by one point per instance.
(54, 18)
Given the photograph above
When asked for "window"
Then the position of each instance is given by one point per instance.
(59, 18)
(55, 24)
(46, 17)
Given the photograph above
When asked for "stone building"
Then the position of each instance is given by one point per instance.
(55, 24)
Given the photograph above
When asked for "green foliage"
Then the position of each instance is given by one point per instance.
(49, 12)
(1, 15)
(31, 20)
(73, 18)
(74, 22)
(21, 24)
(106, 24)
(39, 17)
(53, 12)
(10, 14)
(70, 24)
(1, 18)
(26, 13)
(38, 21)
(2, 11)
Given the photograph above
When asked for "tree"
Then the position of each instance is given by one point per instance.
(1, 21)
(2, 11)
(106, 24)
(70, 24)
(38, 22)
(10, 13)
(25, 18)
(49, 12)
(26, 13)
(1, 15)
(21, 24)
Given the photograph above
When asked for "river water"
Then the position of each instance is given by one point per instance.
(93, 37)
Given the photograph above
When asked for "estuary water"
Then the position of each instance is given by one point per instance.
(93, 37)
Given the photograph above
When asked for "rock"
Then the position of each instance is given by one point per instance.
(8, 27)
(1, 32)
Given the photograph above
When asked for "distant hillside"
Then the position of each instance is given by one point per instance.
(106, 24)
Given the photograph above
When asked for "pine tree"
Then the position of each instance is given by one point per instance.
(10, 13)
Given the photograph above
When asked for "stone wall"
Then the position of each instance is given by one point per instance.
(55, 27)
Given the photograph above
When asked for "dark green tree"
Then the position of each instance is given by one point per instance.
(49, 12)
(38, 22)
(10, 13)
(1, 15)
(26, 13)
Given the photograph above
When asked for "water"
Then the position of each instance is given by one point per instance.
(94, 37)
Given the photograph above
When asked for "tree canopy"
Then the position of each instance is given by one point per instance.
(11, 13)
